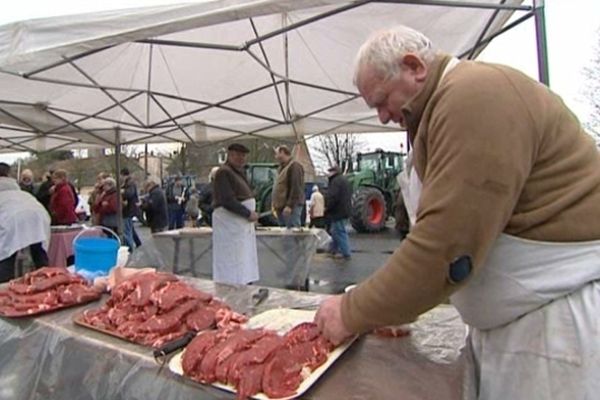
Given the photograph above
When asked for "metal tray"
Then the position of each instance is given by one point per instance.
(280, 320)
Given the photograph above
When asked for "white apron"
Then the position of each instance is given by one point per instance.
(234, 247)
(533, 308)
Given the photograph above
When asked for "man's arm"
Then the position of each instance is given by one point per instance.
(296, 184)
(480, 150)
(226, 196)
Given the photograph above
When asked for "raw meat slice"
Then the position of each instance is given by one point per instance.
(146, 284)
(166, 322)
(282, 375)
(257, 354)
(304, 332)
(250, 382)
(201, 319)
(174, 293)
(195, 351)
(237, 341)
(76, 293)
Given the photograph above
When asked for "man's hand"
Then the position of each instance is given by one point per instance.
(253, 216)
(287, 211)
(329, 320)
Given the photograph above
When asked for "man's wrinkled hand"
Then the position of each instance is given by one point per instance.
(287, 211)
(329, 320)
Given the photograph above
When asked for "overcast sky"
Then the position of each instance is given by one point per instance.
(572, 31)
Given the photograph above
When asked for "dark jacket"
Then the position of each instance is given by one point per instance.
(155, 206)
(338, 203)
(43, 194)
(230, 188)
(130, 198)
(62, 207)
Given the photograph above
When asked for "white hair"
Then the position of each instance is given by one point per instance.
(383, 49)
(110, 182)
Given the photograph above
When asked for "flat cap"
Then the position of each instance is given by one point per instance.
(238, 147)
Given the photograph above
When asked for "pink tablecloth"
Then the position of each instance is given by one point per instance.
(61, 247)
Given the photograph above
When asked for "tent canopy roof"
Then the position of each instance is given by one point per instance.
(210, 70)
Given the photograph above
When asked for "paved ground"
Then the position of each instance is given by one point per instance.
(369, 252)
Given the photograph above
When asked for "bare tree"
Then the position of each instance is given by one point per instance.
(335, 149)
(592, 91)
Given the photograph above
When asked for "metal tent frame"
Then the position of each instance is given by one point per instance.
(67, 120)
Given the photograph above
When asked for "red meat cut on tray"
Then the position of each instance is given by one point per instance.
(256, 360)
(44, 290)
(155, 308)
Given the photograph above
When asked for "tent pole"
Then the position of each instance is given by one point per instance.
(118, 179)
(542, 48)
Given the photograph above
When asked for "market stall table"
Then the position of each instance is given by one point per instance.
(284, 255)
(60, 247)
(61, 244)
(51, 358)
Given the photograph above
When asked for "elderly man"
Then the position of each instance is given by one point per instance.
(288, 190)
(234, 242)
(503, 190)
(24, 222)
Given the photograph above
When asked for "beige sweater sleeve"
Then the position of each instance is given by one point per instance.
(479, 146)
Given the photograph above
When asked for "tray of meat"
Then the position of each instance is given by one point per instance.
(45, 290)
(155, 308)
(278, 354)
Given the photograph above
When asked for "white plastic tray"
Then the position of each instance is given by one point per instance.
(280, 320)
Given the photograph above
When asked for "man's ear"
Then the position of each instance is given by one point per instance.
(416, 65)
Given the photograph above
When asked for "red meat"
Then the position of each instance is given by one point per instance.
(76, 293)
(237, 341)
(167, 322)
(250, 381)
(201, 319)
(195, 351)
(174, 293)
(257, 354)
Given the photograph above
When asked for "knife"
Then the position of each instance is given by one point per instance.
(265, 214)
(160, 354)
(259, 297)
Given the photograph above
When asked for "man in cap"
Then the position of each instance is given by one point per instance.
(503, 192)
(235, 259)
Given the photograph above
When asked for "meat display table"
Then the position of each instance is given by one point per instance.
(284, 255)
(49, 357)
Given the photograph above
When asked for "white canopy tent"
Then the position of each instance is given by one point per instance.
(211, 70)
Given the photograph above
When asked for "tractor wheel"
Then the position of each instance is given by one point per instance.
(368, 210)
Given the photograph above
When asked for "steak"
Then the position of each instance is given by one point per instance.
(195, 351)
(237, 341)
(43, 290)
(155, 308)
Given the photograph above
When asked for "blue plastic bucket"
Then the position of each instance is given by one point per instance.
(95, 254)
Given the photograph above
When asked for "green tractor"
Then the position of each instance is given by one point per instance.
(375, 188)
(261, 177)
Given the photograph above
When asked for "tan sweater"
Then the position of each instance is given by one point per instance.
(497, 152)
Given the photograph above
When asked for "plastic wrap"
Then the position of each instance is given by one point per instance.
(284, 255)
(51, 358)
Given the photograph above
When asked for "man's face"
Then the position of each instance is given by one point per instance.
(237, 158)
(281, 157)
(389, 96)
